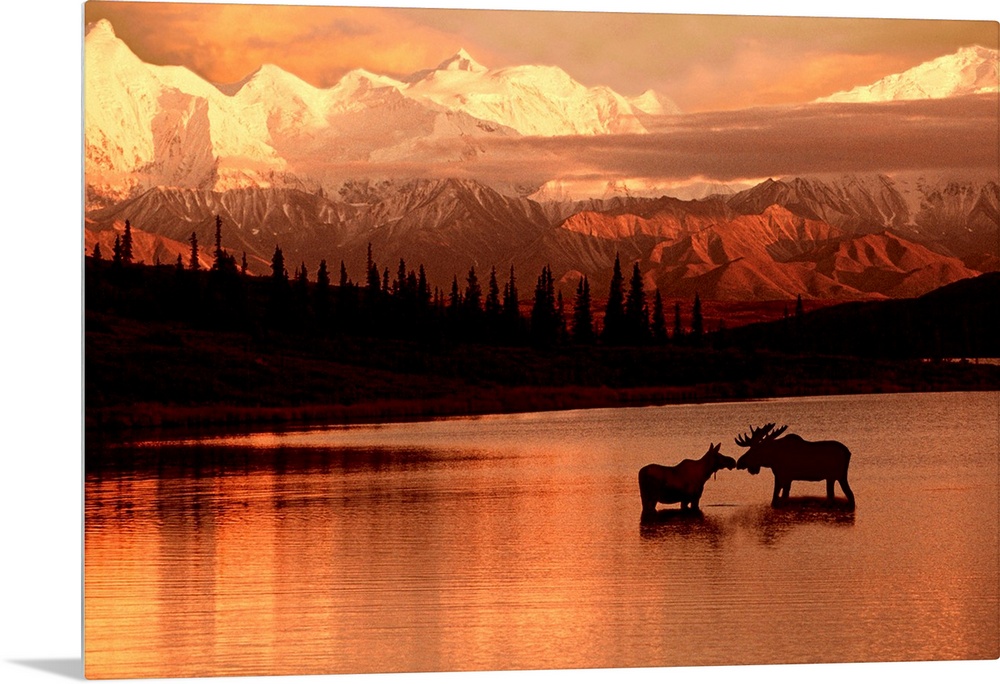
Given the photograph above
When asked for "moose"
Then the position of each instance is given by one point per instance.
(682, 483)
(793, 458)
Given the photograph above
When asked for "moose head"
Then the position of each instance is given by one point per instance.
(756, 442)
(718, 461)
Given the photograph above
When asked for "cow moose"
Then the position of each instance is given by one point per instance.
(682, 483)
(793, 458)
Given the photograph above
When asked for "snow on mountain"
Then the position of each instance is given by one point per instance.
(533, 100)
(652, 102)
(148, 126)
(971, 70)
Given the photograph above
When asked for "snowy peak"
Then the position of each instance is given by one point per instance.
(461, 61)
(652, 102)
(969, 71)
(101, 27)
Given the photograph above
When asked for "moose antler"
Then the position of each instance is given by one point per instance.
(758, 435)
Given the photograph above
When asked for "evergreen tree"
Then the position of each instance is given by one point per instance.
(127, 243)
(544, 321)
(455, 298)
(385, 280)
(492, 305)
(614, 312)
(561, 333)
(636, 313)
(510, 303)
(243, 264)
(323, 276)
(322, 292)
(344, 280)
(697, 324)
(473, 293)
(180, 263)
(678, 325)
(219, 254)
(799, 309)
(193, 262)
(279, 276)
(659, 326)
(96, 253)
(423, 288)
(302, 279)
(374, 286)
(583, 321)
(116, 253)
(399, 284)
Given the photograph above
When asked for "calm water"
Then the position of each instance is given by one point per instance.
(515, 542)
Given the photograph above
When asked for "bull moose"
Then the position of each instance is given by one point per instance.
(793, 458)
(682, 483)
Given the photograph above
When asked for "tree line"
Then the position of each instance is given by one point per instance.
(401, 304)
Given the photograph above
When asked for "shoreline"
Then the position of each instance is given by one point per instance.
(109, 425)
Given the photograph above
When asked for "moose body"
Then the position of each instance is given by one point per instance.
(793, 458)
(682, 483)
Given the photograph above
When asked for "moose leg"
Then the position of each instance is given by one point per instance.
(847, 490)
(777, 492)
(829, 488)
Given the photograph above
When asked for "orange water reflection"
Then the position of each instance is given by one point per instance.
(331, 560)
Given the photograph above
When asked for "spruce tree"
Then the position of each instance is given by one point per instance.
(544, 315)
(344, 280)
(614, 312)
(399, 284)
(583, 321)
(492, 304)
(510, 304)
(116, 253)
(96, 253)
(243, 264)
(279, 276)
(659, 325)
(636, 313)
(473, 293)
(697, 323)
(678, 325)
(371, 274)
(219, 255)
(193, 262)
(423, 288)
(454, 298)
(127, 243)
(323, 276)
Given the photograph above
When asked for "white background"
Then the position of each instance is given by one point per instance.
(41, 353)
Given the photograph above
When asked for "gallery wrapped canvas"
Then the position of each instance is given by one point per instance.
(452, 340)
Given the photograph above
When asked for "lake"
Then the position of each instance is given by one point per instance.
(515, 542)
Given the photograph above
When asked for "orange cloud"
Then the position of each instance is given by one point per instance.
(223, 43)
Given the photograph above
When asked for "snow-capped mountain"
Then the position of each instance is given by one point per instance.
(148, 126)
(533, 100)
(970, 71)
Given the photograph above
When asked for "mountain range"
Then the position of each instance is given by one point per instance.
(285, 163)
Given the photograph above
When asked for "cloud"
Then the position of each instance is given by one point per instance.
(956, 134)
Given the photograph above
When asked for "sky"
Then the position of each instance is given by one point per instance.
(702, 62)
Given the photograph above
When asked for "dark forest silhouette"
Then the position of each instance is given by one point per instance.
(389, 342)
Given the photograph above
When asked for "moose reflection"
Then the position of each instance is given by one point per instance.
(682, 483)
(793, 458)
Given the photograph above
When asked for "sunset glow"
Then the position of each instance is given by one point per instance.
(702, 62)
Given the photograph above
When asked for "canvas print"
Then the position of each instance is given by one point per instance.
(424, 340)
